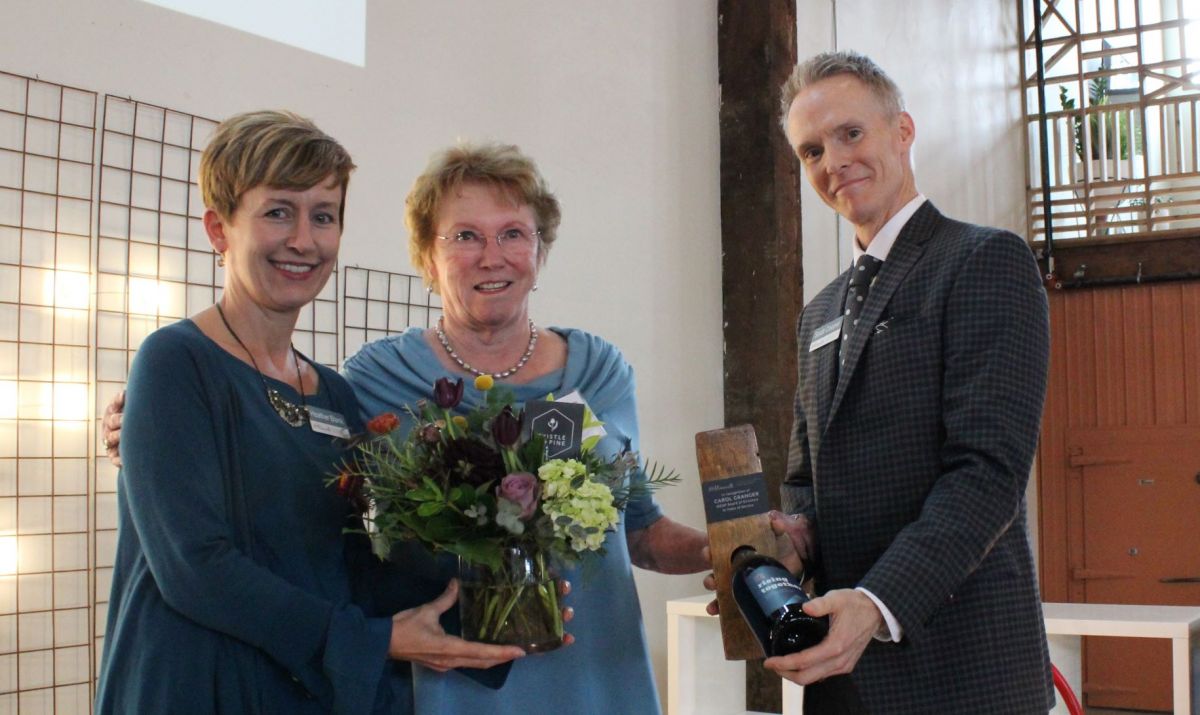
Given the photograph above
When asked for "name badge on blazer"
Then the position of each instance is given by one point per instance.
(826, 334)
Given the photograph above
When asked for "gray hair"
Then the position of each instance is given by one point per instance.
(832, 64)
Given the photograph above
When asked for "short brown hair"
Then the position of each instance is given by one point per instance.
(832, 64)
(281, 150)
(500, 166)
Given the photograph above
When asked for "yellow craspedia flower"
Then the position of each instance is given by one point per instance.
(484, 383)
(459, 421)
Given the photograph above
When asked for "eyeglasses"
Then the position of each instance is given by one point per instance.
(510, 241)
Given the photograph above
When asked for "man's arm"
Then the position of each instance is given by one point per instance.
(797, 488)
(796, 527)
(995, 356)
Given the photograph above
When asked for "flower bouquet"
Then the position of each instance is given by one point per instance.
(480, 486)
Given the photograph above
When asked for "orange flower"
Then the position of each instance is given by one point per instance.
(382, 424)
(350, 487)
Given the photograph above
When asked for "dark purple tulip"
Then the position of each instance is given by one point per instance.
(447, 394)
(506, 427)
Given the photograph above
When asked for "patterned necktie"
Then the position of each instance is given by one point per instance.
(861, 278)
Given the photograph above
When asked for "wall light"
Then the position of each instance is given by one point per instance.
(71, 289)
(144, 296)
(70, 401)
(8, 555)
(8, 399)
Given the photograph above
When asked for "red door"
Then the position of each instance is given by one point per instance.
(1141, 544)
(1119, 500)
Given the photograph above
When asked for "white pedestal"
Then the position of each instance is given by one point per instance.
(1067, 622)
(701, 682)
(699, 679)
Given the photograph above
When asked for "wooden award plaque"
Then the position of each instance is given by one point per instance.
(735, 506)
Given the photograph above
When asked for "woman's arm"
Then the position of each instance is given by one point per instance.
(666, 546)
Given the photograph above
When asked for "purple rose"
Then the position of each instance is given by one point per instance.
(520, 488)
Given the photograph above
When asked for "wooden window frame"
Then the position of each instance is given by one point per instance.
(1132, 213)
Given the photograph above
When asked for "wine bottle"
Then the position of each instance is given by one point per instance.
(780, 598)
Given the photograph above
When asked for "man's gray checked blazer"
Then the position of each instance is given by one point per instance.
(913, 462)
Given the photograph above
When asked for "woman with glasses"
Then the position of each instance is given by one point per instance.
(235, 588)
(482, 222)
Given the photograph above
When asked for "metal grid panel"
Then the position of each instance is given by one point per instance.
(47, 144)
(316, 333)
(376, 304)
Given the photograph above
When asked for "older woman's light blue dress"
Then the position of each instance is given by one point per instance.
(607, 671)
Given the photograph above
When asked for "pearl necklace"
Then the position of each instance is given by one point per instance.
(441, 336)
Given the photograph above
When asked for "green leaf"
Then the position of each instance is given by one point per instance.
(589, 418)
(430, 484)
(478, 551)
(430, 508)
(532, 453)
(420, 495)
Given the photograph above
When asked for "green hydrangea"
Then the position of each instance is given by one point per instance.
(557, 475)
(580, 510)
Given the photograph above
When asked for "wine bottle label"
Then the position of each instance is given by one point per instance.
(734, 497)
(773, 588)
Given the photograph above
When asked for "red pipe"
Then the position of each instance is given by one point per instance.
(1065, 692)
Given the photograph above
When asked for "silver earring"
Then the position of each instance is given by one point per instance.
(535, 286)
(429, 290)
(220, 260)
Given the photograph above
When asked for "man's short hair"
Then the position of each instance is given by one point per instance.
(832, 64)
(280, 150)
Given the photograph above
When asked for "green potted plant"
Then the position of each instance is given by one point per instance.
(1098, 95)
(1115, 136)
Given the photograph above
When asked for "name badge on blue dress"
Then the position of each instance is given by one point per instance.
(328, 422)
(826, 334)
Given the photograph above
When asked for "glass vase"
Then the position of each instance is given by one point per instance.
(514, 604)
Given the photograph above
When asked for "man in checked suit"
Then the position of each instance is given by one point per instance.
(917, 413)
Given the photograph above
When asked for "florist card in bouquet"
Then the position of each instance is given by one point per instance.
(560, 425)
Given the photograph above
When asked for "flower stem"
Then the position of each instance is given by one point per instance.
(450, 427)
(512, 602)
(510, 460)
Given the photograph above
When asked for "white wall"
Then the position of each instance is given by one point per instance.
(956, 64)
(617, 100)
